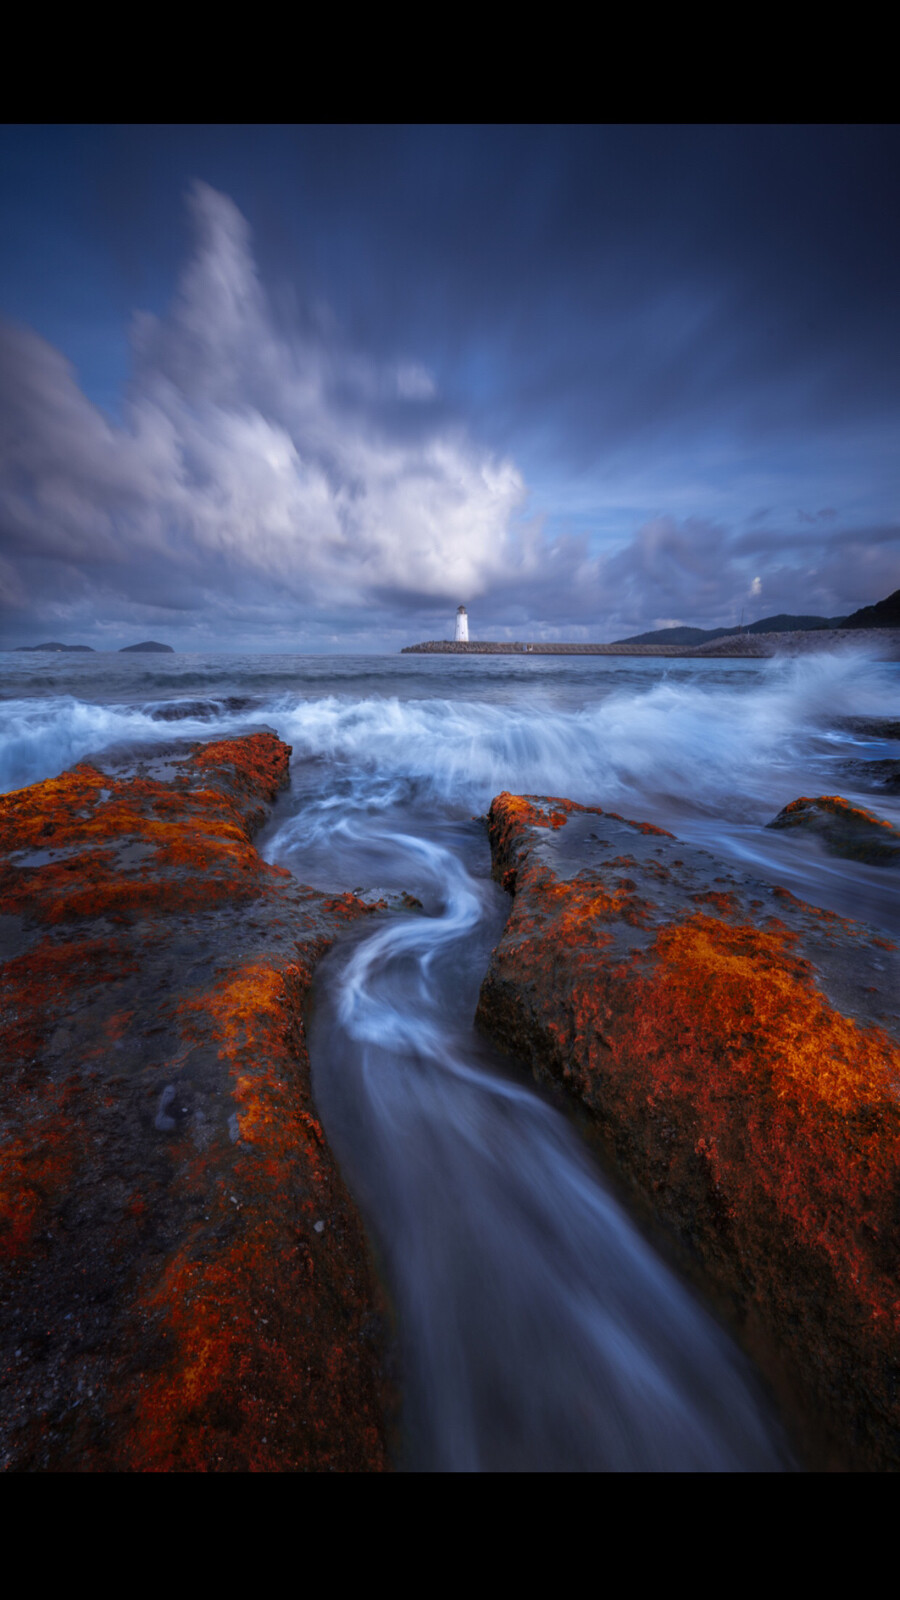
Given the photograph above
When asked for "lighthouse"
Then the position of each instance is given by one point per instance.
(462, 626)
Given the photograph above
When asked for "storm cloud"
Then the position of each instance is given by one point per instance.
(587, 381)
(245, 462)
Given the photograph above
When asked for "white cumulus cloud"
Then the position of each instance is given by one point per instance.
(247, 454)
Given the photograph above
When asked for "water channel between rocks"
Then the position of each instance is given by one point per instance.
(538, 1329)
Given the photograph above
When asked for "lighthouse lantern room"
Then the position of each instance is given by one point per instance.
(462, 626)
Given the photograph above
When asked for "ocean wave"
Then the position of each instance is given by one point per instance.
(706, 743)
(730, 740)
(41, 738)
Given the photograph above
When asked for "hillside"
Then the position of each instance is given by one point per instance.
(783, 623)
(884, 614)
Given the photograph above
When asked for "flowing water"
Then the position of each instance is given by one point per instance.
(538, 1328)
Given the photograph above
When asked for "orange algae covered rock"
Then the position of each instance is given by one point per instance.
(738, 1053)
(847, 830)
(184, 1280)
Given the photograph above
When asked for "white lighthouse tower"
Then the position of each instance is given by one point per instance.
(462, 626)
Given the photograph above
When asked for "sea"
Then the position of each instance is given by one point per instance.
(538, 1328)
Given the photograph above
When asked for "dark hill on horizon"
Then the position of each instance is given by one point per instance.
(54, 646)
(884, 614)
(783, 623)
(148, 644)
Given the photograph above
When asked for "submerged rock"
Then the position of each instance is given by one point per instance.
(873, 774)
(871, 727)
(845, 829)
(170, 1298)
(737, 1052)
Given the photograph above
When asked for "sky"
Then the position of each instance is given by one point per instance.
(291, 388)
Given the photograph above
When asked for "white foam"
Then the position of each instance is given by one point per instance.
(707, 742)
(42, 738)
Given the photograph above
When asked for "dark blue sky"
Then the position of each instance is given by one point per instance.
(312, 387)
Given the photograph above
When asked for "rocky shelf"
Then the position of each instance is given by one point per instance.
(184, 1279)
(737, 1054)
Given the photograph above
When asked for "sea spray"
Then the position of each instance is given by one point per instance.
(708, 743)
(704, 735)
(41, 738)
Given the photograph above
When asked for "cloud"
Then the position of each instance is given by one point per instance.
(703, 573)
(687, 570)
(245, 458)
(270, 480)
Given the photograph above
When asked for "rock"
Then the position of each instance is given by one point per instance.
(167, 1302)
(148, 644)
(381, 899)
(737, 1054)
(873, 774)
(180, 710)
(871, 727)
(845, 829)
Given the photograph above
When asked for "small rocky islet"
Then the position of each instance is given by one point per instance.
(149, 646)
(53, 645)
(186, 1281)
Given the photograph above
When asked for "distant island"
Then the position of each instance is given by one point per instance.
(148, 644)
(784, 632)
(780, 624)
(54, 646)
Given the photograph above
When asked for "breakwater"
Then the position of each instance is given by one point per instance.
(883, 642)
(489, 647)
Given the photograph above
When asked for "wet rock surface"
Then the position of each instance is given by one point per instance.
(737, 1054)
(184, 1280)
(872, 727)
(845, 829)
(873, 775)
